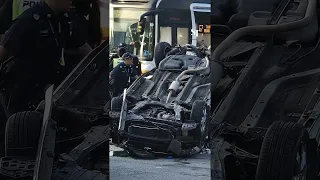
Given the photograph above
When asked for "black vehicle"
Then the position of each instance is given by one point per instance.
(265, 122)
(67, 135)
(167, 109)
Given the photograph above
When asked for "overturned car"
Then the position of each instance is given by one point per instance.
(167, 109)
(266, 126)
(67, 135)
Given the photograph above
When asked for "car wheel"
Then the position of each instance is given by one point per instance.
(160, 52)
(286, 154)
(199, 114)
(22, 133)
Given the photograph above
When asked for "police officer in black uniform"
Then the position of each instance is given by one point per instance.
(136, 63)
(123, 75)
(36, 42)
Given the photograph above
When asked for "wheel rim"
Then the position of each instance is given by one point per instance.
(301, 163)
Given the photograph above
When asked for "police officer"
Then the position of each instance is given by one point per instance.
(123, 75)
(90, 9)
(36, 40)
(136, 63)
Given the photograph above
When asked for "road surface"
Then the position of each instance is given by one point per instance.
(127, 168)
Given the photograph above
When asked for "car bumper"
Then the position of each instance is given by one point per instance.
(154, 137)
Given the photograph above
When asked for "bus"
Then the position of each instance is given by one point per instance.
(177, 22)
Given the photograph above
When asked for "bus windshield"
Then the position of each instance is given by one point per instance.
(123, 22)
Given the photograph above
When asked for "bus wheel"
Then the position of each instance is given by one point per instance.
(160, 51)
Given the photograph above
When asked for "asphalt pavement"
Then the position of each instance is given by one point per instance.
(127, 168)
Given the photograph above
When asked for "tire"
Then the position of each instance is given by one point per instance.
(22, 133)
(200, 110)
(160, 52)
(281, 144)
(116, 104)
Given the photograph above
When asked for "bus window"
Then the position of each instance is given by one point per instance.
(166, 34)
(148, 41)
(132, 39)
(204, 38)
(182, 35)
(203, 24)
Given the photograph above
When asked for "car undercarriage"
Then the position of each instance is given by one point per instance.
(166, 110)
(73, 116)
(265, 120)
